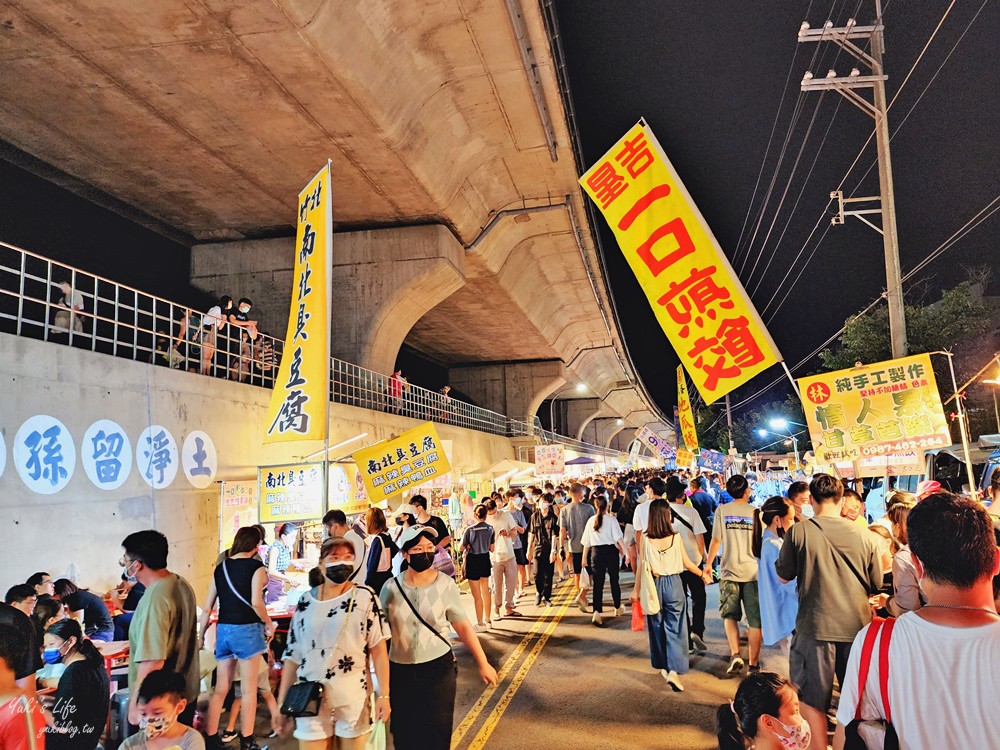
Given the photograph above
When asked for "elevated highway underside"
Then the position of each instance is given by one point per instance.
(206, 117)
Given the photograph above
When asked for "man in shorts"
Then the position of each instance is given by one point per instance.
(837, 566)
(572, 522)
(732, 530)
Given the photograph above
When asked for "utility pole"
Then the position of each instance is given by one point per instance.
(884, 203)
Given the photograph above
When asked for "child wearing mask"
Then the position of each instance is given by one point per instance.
(161, 702)
(763, 715)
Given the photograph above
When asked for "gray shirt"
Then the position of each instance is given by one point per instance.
(478, 538)
(574, 519)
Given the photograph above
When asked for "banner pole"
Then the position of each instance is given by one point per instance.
(795, 386)
(960, 409)
(328, 260)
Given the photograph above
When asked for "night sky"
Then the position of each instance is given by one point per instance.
(708, 78)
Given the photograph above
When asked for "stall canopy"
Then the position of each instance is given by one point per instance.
(581, 460)
(505, 466)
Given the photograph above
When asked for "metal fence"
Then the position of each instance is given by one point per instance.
(45, 300)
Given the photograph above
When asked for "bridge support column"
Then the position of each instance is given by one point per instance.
(516, 389)
(383, 281)
(601, 431)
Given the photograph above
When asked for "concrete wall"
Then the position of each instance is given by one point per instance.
(84, 525)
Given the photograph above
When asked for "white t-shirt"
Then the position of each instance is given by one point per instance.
(609, 533)
(943, 684)
(640, 519)
(692, 516)
(503, 546)
(213, 318)
(313, 636)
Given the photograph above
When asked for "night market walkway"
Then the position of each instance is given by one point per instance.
(567, 683)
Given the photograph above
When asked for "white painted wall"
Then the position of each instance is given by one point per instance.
(84, 525)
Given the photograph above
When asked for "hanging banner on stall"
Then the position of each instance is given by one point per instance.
(237, 508)
(684, 459)
(392, 466)
(712, 460)
(292, 492)
(689, 434)
(657, 445)
(299, 400)
(347, 489)
(696, 297)
(550, 460)
(633, 453)
(886, 408)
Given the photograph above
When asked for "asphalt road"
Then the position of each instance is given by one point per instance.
(569, 684)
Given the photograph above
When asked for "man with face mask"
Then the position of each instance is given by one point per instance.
(543, 538)
(504, 563)
(164, 629)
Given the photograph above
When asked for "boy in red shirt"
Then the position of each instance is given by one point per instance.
(22, 725)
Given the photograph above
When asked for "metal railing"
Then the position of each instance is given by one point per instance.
(46, 300)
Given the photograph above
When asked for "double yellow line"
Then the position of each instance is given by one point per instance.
(545, 628)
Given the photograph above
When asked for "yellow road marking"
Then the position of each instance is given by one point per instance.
(565, 596)
(498, 710)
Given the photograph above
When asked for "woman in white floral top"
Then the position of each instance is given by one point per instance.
(337, 629)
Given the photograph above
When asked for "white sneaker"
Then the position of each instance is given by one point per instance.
(597, 619)
(736, 665)
(673, 679)
(700, 647)
(481, 627)
(619, 612)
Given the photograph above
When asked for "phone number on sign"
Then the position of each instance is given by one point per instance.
(904, 445)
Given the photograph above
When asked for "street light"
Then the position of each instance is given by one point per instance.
(782, 424)
(579, 388)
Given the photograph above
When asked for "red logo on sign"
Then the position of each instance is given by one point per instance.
(818, 393)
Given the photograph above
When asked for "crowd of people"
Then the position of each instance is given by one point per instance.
(807, 571)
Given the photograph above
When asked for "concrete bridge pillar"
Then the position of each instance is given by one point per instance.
(623, 439)
(580, 413)
(602, 430)
(383, 281)
(516, 389)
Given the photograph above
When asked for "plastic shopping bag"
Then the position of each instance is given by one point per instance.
(638, 618)
(376, 740)
(584, 579)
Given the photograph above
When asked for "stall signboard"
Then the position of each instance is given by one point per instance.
(657, 445)
(392, 466)
(685, 458)
(347, 489)
(696, 297)
(291, 492)
(633, 453)
(689, 434)
(298, 409)
(237, 508)
(887, 408)
(712, 460)
(550, 460)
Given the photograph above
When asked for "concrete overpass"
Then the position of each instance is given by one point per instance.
(461, 229)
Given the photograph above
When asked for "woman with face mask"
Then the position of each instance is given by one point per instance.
(764, 715)
(406, 516)
(82, 698)
(423, 606)
(337, 632)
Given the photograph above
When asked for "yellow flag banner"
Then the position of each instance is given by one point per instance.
(886, 409)
(298, 408)
(696, 297)
(685, 413)
(685, 459)
(410, 460)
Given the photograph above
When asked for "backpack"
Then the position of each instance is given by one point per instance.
(389, 550)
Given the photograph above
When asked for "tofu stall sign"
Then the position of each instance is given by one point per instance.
(300, 398)
(882, 409)
(291, 492)
(696, 297)
(405, 462)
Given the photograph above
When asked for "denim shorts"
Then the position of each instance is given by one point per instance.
(239, 641)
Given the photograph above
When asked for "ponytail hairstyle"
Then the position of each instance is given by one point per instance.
(760, 694)
(773, 507)
(601, 503)
(66, 629)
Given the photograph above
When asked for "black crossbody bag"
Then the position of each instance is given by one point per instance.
(424, 622)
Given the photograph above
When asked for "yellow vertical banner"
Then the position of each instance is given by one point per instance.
(300, 398)
(685, 413)
(696, 296)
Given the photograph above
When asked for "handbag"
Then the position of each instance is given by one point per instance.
(648, 597)
(305, 698)
(874, 734)
(443, 562)
(423, 622)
